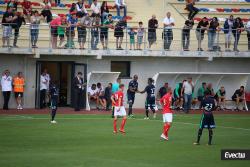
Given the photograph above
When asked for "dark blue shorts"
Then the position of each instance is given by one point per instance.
(131, 98)
(150, 103)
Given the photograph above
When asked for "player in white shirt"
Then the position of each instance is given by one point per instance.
(187, 89)
(168, 24)
(6, 85)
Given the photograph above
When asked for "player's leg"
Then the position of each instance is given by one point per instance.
(152, 107)
(131, 102)
(54, 109)
(115, 119)
(124, 119)
(198, 136)
(146, 109)
(210, 136)
(167, 120)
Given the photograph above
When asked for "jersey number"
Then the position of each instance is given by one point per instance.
(208, 106)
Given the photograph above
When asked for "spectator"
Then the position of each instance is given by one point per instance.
(187, 89)
(7, 20)
(95, 33)
(220, 97)
(200, 31)
(163, 90)
(192, 10)
(46, 11)
(248, 33)
(70, 30)
(120, 4)
(168, 24)
(48, 79)
(43, 89)
(12, 4)
(238, 27)
(132, 34)
(228, 25)
(73, 8)
(104, 11)
(201, 92)
(27, 8)
(213, 28)
(17, 23)
(78, 86)
(239, 97)
(61, 31)
(140, 34)
(96, 9)
(115, 86)
(178, 96)
(152, 26)
(93, 95)
(107, 95)
(18, 85)
(108, 23)
(34, 28)
(80, 8)
(119, 27)
(54, 24)
(85, 22)
(6, 84)
(186, 34)
(210, 90)
(57, 2)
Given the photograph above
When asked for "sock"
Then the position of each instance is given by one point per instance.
(123, 123)
(166, 129)
(114, 125)
(53, 114)
(199, 135)
(147, 113)
(210, 133)
(130, 109)
(113, 109)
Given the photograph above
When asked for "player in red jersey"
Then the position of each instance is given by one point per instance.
(119, 109)
(167, 113)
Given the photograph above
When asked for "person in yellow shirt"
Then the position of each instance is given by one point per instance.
(18, 85)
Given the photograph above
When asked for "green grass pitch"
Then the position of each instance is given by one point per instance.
(88, 141)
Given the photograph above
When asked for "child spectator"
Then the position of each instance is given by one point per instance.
(34, 28)
(46, 12)
(140, 33)
(152, 26)
(120, 4)
(213, 28)
(132, 34)
(95, 33)
(85, 22)
(108, 23)
(27, 8)
(17, 23)
(80, 8)
(96, 9)
(200, 31)
(61, 30)
(104, 11)
(119, 27)
(70, 30)
(238, 27)
(7, 20)
(228, 25)
(54, 30)
(186, 34)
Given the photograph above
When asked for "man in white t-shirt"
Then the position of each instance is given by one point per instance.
(168, 24)
(187, 89)
(43, 89)
(93, 94)
(47, 96)
(6, 85)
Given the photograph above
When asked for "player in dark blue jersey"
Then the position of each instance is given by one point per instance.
(54, 93)
(150, 99)
(132, 89)
(207, 119)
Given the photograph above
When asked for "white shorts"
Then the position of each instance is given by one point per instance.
(119, 111)
(168, 117)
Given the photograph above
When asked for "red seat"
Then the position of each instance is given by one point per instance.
(235, 10)
(220, 9)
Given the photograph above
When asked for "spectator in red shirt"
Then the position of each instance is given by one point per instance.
(27, 8)
(54, 30)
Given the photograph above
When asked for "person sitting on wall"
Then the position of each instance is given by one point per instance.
(93, 95)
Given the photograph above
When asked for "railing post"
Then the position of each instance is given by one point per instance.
(145, 37)
(126, 40)
(29, 37)
(50, 38)
(89, 39)
(218, 42)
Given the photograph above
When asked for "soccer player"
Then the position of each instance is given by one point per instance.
(54, 92)
(207, 119)
(167, 113)
(132, 89)
(119, 109)
(150, 100)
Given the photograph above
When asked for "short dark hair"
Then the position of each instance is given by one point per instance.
(109, 15)
(79, 73)
(98, 84)
(204, 83)
(93, 85)
(140, 22)
(242, 87)
(206, 93)
(150, 80)
(121, 85)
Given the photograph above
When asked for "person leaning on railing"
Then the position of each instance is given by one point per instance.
(228, 25)
(85, 22)
(168, 24)
(34, 28)
(186, 34)
(70, 30)
(200, 31)
(95, 31)
(248, 33)
(54, 24)
(17, 23)
(7, 20)
(238, 27)
(118, 33)
(152, 26)
(212, 30)
(108, 23)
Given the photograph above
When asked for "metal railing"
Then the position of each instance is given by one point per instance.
(43, 36)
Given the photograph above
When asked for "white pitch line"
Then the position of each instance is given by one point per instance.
(186, 123)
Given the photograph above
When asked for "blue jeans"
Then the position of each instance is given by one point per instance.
(187, 102)
(94, 38)
(211, 39)
(90, 2)
(34, 36)
(118, 8)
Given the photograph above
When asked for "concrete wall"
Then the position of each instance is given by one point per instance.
(145, 67)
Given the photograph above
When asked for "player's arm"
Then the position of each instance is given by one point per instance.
(131, 89)
(144, 90)
(112, 99)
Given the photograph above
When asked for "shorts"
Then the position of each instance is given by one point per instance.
(7, 31)
(61, 35)
(139, 39)
(70, 32)
(120, 111)
(53, 104)
(82, 35)
(199, 35)
(102, 97)
(54, 32)
(234, 99)
(17, 94)
(207, 121)
(118, 33)
(132, 40)
(150, 103)
(151, 37)
(228, 37)
(167, 117)
(131, 98)
(103, 35)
